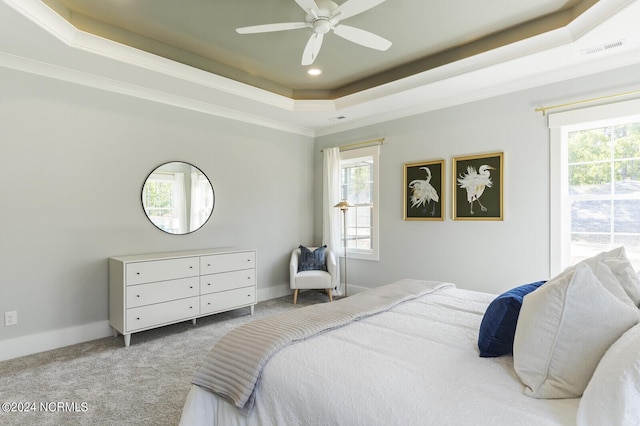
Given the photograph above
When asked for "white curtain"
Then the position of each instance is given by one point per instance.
(197, 202)
(331, 220)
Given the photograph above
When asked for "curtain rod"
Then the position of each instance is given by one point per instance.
(372, 142)
(543, 110)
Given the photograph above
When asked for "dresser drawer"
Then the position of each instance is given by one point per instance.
(227, 281)
(162, 270)
(226, 300)
(227, 262)
(162, 291)
(162, 313)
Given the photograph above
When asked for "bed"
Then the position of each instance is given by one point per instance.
(412, 361)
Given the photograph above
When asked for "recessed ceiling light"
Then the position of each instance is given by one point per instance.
(314, 71)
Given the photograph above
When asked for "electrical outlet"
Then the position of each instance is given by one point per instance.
(10, 318)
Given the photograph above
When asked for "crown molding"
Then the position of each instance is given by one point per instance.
(82, 58)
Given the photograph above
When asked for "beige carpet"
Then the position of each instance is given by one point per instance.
(103, 383)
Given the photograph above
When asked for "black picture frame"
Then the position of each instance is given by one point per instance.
(424, 185)
(478, 187)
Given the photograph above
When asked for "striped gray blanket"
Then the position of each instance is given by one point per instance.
(233, 367)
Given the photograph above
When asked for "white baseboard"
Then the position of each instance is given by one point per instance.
(45, 341)
(285, 290)
(54, 339)
(354, 289)
(48, 340)
(274, 292)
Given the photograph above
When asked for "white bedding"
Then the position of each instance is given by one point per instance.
(416, 364)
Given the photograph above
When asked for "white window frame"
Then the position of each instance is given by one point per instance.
(560, 124)
(350, 156)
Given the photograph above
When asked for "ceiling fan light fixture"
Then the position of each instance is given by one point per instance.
(322, 26)
(314, 71)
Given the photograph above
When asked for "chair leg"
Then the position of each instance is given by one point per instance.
(295, 296)
(329, 292)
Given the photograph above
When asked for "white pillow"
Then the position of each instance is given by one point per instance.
(619, 264)
(613, 394)
(563, 330)
(604, 274)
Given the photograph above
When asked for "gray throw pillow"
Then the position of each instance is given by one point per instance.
(312, 260)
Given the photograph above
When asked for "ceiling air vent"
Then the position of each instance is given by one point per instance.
(603, 47)
(337, 118)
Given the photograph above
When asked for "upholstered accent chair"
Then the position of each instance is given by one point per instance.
(316, 275)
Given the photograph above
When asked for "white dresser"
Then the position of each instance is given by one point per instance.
(156, 289)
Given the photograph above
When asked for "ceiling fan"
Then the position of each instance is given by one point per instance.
(324, 16)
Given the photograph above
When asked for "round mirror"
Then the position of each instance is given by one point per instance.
(178, 198)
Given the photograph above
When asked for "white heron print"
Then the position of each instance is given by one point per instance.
(475, 182)
(423, 193)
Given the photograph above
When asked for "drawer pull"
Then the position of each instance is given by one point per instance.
(208, 284)
(209, 303)
(190, 286)
(137, 273)
(138, 319)
(190, 307)
(208, 264)
(137, 295)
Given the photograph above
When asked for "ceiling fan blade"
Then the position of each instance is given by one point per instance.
(353, 7)
(308, 6)
(362, 37)
(267, 28)
(312, 48)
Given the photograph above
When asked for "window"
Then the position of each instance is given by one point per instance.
(595, 183)
(359, 186)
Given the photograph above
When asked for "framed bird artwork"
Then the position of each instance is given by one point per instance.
(424, 190)
(478, 187)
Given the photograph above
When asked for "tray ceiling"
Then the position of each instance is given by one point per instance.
(425, 35)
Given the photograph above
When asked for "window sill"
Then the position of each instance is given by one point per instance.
(360, 256)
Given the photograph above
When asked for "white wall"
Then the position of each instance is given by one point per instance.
(72, 165)
(487, 256)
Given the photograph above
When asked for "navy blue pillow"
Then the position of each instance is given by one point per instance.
(312, 260)
(498, 326)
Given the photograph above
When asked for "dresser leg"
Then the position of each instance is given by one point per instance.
(193, 321)
(127, 340)
(252, 307)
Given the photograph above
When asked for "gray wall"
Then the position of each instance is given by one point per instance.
(73, 161)
(72, 164)
(487, 256)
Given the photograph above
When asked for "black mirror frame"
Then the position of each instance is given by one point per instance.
(213, 193)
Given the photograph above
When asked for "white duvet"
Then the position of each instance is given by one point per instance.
(416, 364)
